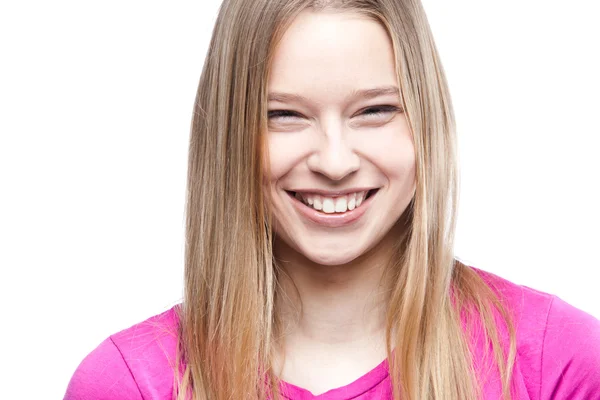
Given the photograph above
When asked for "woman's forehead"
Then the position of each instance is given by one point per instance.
(327, 54)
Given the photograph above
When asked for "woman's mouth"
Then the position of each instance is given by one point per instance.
(332, 211)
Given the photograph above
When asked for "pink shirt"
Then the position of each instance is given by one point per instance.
(558, 358)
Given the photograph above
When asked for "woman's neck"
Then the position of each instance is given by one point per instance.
(332, 304)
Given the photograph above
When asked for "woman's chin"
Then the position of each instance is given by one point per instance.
(331, 249)
(331, 256)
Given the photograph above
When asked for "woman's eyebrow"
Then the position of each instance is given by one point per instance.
(375, 92)
(355, 95)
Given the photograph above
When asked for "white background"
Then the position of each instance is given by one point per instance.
(95, 107)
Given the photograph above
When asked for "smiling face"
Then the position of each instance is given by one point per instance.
(341, 156)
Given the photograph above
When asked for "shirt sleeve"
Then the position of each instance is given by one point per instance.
(103, 375)
(570, 354)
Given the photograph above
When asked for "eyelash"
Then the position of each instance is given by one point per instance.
(378, 111)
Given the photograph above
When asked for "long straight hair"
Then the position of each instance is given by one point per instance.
(227, 318)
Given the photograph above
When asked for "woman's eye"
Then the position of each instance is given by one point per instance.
(282, 115)
(378, 111)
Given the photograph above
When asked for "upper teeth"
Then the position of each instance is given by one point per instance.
(329, 205)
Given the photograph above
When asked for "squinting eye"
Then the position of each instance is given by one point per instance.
(282, 115)
(378, 111)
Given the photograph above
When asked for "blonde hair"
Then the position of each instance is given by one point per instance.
(227, 319)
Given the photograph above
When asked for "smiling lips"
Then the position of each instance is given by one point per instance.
(332, 211)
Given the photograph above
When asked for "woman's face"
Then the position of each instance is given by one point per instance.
(342, 162)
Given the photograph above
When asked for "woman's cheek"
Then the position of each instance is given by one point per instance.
(286, 151)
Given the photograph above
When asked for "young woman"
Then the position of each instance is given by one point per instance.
(321, 206)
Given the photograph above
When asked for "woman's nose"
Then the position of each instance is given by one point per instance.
(335, 158)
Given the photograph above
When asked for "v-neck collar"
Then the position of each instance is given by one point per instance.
(351, 391)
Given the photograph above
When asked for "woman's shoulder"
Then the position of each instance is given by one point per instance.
(522, 301)
(558, 345)
(532, 308)
(133, 364)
